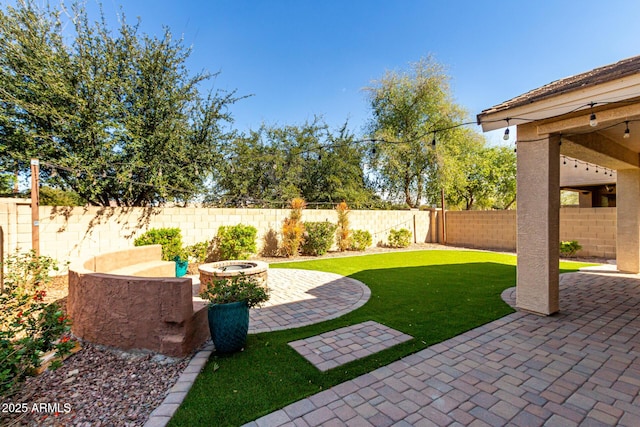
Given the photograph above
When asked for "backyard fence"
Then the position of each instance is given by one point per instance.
(67, 233)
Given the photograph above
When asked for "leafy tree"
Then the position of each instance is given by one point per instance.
(406, 108)
(56, 197)
(116, 117)
(6, 184)
(277, 164)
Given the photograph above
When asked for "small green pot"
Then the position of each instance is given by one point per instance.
(229, 325)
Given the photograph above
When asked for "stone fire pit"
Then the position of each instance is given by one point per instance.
(231, 268)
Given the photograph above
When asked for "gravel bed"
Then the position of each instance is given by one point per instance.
(97, 386)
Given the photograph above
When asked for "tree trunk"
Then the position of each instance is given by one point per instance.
(407, 190)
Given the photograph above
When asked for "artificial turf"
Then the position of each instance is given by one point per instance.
(430, 295)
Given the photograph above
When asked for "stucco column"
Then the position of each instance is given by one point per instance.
(628, 219)
(538, 218)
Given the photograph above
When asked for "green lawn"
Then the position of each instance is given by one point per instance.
(430, 295)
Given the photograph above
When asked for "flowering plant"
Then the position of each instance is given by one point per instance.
(29, 326)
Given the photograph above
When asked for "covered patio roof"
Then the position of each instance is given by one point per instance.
(593, 117)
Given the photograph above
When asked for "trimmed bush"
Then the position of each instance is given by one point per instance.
(318, 237)
(360, 240)
(569, 249)
(197, 252)
(399, 238)
(236, 241)
(169, 238)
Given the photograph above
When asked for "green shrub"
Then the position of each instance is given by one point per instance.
(235, 241)
(197, 252)
(238, 288)
(28, 325)
(360, 240)
(318, 237)
(169, 238)
(569, 249)
(399, 238)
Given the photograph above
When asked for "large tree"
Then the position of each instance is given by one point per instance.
(407, 107)
(477, 176)
(115, 117)
(276, 164)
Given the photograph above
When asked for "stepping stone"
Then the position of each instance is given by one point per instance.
(334, 348)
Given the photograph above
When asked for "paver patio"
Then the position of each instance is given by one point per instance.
(303, 297)
(579, 367)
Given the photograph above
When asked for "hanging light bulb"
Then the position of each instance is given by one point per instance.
(506, 132)
(627, 134)
(593, 121)
(576, 164)
(564, 160)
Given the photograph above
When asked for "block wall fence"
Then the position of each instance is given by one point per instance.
(593, 228)
(80, 232)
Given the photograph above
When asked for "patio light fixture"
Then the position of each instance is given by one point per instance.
(593, 121)
(627, 134)
(506, 131)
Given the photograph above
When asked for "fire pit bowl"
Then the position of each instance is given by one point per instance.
(231, 268)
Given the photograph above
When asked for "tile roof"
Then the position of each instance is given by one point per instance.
(594, 77)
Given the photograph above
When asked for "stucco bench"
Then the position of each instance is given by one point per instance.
(131, 299)
(147, 269)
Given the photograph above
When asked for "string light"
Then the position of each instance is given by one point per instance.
(593, 121)
(626, 131)
(506, 131)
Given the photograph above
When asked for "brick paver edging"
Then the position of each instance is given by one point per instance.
(162, 414)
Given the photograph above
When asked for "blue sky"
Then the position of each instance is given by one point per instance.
(304, 58)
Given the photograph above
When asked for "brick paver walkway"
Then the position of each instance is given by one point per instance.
(579, 367)
(304, 297)
(340, 346)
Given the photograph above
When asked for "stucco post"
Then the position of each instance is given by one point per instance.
(538, 219)
(628, 219)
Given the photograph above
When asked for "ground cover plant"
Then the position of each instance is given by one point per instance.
(430, 295)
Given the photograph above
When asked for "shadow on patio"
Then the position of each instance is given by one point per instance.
(579, 367)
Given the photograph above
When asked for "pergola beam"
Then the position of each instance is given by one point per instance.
(581, 122)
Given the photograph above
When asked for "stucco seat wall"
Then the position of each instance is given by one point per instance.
(133, 312)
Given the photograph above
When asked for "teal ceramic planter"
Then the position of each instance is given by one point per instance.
(229, 325)
(181, 266)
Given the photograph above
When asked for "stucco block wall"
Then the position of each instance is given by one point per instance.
(593, 228)
(482, 229)
(70, 233)
(80, 232)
